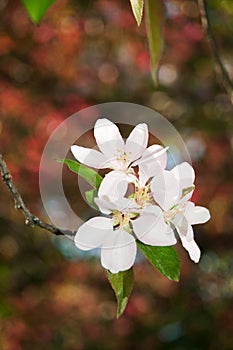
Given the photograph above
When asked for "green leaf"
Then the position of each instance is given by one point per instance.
(165, 259)
(137, 8)
(37, 8)
(155, 15)
(122, 284)
(90, 196)
(90, 175)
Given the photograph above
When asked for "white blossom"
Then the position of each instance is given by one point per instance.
(139, 199)
(113, 233)
(115, 153)
(172, 191)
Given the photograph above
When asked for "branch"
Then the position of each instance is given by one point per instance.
(30, 219)
(219, 67)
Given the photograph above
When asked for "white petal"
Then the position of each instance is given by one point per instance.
(154, 152)
(137, 141)
(151, 229)
(132, 178)
(93, 233)
(183, 227)
(122, 205)
(122, 254)
(103, 205)
(144, 174)
(125, 205)
(113, 186)
(192, 248)
(165, 189)
(184, 173)
(108, 138)
(153, 165)
(89, 157)
(189, 206)
(198, 215)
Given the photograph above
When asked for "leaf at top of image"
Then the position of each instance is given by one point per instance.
(36, 9)
(155, 16)
(137, 8)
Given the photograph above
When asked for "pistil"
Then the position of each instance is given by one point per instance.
(170, 215)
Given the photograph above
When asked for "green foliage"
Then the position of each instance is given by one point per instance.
(37, 8)
(122, 284)
(137, 8)
(90, 196)
(90, 175)
(165, 259)
(155, 14)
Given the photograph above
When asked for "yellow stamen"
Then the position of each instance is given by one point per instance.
(122, 156)
(143, 196)
(121, 219)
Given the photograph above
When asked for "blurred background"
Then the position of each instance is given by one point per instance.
(89, 52)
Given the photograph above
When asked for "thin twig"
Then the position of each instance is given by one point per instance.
(219, 66)
(30, 219)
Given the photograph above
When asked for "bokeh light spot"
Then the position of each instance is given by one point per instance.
(108, 73)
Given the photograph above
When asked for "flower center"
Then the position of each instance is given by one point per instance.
(120, 219)
(122, 156)
(143, 196)
(170, 215)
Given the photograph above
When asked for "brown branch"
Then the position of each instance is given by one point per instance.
(219, 66)
(30, 219)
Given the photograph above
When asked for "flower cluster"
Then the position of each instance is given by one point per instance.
(139, 199)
